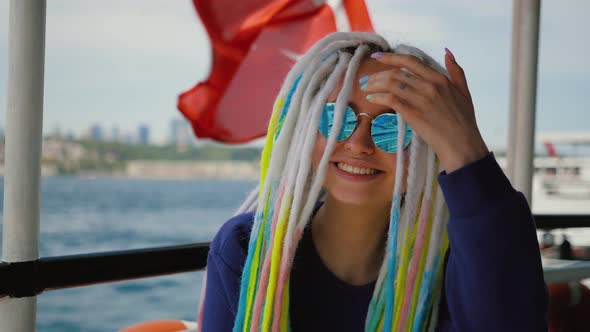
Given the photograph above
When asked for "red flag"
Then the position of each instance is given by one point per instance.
(255, 43)
(550, 149)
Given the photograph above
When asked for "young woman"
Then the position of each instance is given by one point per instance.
(351, 229)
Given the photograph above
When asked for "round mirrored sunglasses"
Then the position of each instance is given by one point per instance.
(384, 128)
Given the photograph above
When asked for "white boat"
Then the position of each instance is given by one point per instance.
(561, 184)
(561, 181)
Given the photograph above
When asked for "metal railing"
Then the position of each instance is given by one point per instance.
(24, 279)
(554, 221)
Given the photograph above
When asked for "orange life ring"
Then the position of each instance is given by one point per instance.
(168, 325)
(569, 307)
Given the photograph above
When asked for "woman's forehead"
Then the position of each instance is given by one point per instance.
(357, 97)
(367, 67)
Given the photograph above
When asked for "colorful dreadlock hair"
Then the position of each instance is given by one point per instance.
(407, 291)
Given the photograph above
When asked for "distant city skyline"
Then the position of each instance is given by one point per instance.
(131, 70)
(179, 133)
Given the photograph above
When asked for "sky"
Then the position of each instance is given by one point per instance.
(124, 62)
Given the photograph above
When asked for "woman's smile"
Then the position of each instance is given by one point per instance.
(353, 171)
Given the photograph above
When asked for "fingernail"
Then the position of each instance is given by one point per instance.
(450, 54)
(364, 79)
(377, 55)
(364, 86)
(369, 97)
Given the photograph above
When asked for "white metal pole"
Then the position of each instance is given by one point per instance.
(524, 92)
(510, 149)
(24, 124)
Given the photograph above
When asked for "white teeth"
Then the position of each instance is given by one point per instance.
(356, 170)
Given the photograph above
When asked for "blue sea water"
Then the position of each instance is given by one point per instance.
(83, 215)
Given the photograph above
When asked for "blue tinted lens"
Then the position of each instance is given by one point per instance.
(327, 122)
(384, 132)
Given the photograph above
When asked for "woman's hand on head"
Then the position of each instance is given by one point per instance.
(439, 109)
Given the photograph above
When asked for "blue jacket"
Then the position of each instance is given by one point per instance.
(493, 275)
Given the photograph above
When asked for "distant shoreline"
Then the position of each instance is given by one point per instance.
(62, 156)
(246, 170)
(169, 170)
